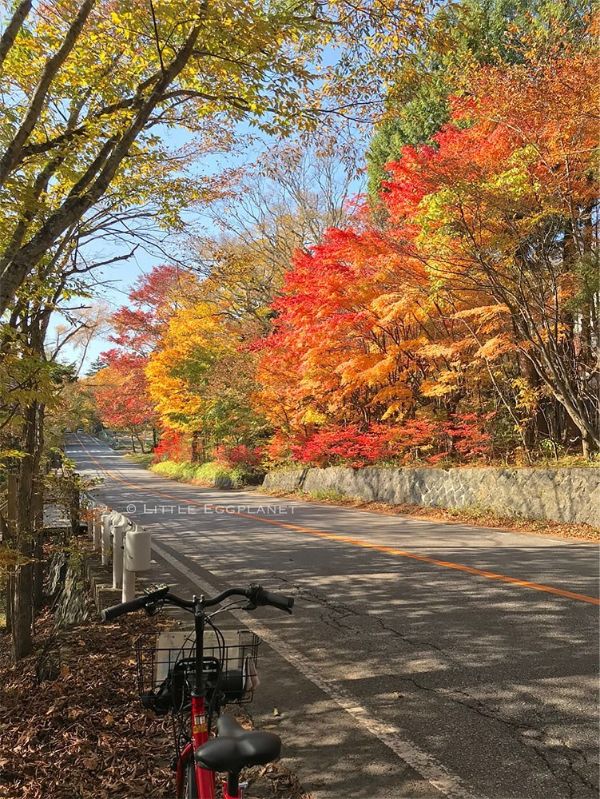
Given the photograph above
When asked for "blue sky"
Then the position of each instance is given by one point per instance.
(115, 282)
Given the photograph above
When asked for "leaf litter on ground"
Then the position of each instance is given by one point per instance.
(81, 733)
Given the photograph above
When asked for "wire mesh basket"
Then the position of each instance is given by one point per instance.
(166, 668)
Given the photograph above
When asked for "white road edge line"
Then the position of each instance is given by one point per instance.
(392, 736)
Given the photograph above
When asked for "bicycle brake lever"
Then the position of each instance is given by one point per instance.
(154, 587)
(250, 606)
(153, 608)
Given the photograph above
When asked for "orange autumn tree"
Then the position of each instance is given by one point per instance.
(121, 396)
(341, 374)
(507, 231)
(137, 330)
(476, 301)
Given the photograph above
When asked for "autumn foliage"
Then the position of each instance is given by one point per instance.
(459, 326)
(470, 304)
(120, 394)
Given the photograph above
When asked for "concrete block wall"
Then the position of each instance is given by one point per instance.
(562, 495)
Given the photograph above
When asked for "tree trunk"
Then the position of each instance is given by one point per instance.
(38, 515)
(11, 522)
(196, 447)
(38, 545)
(22, 593)
(22, 611)
(8, 600)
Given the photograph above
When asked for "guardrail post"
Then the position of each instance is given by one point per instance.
(118, 528)
(128, 591)
(106, 520)
(97, 528)
(137, 557)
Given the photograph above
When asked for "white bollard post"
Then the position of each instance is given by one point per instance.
(97, 528)
(106, 544)
(137, 557)
(119, 525)
(128, 592)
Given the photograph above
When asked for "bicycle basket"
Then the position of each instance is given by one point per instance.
(166, 668)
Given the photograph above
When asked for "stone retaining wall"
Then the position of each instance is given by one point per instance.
(562, 495)
(67, 585)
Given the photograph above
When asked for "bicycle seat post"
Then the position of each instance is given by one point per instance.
(233, 784)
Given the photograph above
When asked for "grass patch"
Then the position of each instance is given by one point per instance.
(328, 495)
(209, 474)
(571, 462)
(142, 459)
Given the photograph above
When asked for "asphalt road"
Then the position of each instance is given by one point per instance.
(422, 660)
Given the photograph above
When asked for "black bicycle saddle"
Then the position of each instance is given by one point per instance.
(236, 748)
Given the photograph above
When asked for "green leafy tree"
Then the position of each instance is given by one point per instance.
(460, 37)
(87, 84)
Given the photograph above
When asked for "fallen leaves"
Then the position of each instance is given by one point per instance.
(84, 735)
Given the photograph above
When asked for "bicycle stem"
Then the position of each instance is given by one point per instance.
(199, 689)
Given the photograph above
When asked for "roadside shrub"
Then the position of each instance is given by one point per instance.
(211, 473)
(169, 469)
(239, 455)
(215, 473)
(172, 446)
(278, 451)
(461, 438)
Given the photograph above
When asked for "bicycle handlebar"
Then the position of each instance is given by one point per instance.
(279, 601)
(256, 595)
(108, 614)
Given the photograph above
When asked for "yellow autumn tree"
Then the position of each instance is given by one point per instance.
(199, 378)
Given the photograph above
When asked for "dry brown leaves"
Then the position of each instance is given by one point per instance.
(268, 782)
(82, 734)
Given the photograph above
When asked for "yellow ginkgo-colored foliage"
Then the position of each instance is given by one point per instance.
(178, 371)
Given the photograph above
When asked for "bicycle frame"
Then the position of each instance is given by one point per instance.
(205, 778)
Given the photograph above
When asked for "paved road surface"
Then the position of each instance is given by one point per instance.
(423, 660)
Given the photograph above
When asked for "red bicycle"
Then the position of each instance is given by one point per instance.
(194, 681)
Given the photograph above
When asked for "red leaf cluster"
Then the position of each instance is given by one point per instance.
(173, 446)
(415, 440)
(238, 455)
(120, 391)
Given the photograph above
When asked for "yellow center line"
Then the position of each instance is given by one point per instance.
(359, 542)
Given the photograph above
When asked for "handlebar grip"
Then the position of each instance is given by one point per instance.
(285, 603)
(108, 614)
